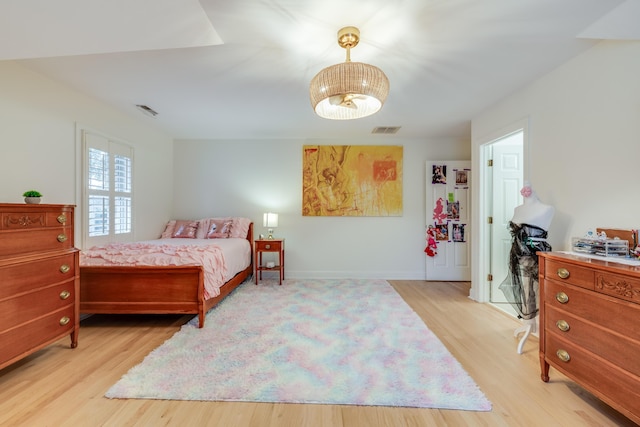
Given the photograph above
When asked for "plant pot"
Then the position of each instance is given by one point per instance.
(32, 200)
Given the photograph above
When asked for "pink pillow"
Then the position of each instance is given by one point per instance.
(219, 229)
(168, 229)
(203, 228)
(240, 227)
(185, 229)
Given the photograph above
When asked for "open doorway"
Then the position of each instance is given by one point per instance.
(502, 178)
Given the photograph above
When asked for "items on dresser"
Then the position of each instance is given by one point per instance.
(589, 316)
(603, 247)
(39, 279)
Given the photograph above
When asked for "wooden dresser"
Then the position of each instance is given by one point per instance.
(39, 279)
(590, 326)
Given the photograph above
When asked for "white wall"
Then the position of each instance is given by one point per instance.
(38, 120)
(584, 141)
(248, 178)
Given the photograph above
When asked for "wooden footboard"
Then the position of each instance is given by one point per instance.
(151, 289)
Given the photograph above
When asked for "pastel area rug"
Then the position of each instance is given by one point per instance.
(343, 342)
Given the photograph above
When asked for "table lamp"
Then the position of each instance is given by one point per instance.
(270, 220)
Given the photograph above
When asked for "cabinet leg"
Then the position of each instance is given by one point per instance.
(544, 369)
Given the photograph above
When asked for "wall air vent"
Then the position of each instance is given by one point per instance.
(388, 130)
(147, 110)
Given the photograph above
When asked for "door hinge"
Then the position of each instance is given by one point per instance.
(489, 277)
(490, 220)
(490, 162)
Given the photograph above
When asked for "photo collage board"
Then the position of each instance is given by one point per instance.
(447, 225)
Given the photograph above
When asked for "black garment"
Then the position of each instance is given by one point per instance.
(521, 285)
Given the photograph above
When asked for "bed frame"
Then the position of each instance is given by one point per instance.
(152, 289)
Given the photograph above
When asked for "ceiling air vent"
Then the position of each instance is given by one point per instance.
(147, 110)
(388, 130)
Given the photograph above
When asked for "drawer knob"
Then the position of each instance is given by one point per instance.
(64, 321)
(563, 355)
(563, 325)
(64, 295)
(562, 298)
(267, 246)
(62, 218)
(563, 273)
(62, 238)
(64, 268)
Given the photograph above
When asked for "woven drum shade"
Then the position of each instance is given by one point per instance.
(366, 84)
(349, 90)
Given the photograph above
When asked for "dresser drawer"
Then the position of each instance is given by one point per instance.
(24, 307)
(35, 218)
(596, 374)
(570, 273)
(617, 349)
(624, 287)
(619, 316)
(24, 242)
(18, 342)
(24, 277)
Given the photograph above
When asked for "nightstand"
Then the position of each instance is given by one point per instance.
(269, 245)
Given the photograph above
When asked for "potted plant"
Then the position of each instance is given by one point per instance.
(32, 197)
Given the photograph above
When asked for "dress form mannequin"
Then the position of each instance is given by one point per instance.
(532, 211)
(529, 226)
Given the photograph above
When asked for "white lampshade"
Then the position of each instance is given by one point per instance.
(270, 220)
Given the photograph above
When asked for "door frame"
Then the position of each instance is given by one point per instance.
(480, 286)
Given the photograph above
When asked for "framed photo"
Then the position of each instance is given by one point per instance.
(453, 210)
(461, 177)
(439, 174)
(458, 232)
(442, 231)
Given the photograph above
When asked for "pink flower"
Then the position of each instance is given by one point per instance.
(526, 191)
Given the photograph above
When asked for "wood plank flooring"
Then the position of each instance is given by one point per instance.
(62, 387)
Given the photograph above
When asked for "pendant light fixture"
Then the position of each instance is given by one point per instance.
(349, 90)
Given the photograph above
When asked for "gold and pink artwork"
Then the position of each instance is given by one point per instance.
(352, 180)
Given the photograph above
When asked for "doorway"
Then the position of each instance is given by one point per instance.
(503, 177)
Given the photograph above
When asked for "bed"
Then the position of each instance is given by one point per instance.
(193, 274)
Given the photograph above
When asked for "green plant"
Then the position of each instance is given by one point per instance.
(32, 193)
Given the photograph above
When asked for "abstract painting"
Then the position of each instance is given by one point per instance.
(352, 180)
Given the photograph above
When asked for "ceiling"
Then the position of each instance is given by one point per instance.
(241, 68)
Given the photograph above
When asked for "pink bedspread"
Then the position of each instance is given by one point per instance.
(210, 257)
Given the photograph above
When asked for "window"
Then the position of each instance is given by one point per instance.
(108, 182)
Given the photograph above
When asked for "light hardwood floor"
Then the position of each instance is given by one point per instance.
(62, 387)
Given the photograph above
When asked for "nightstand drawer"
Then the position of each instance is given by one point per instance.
(268, 245)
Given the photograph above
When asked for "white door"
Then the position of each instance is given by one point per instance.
(507, 178)
(449, 213)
